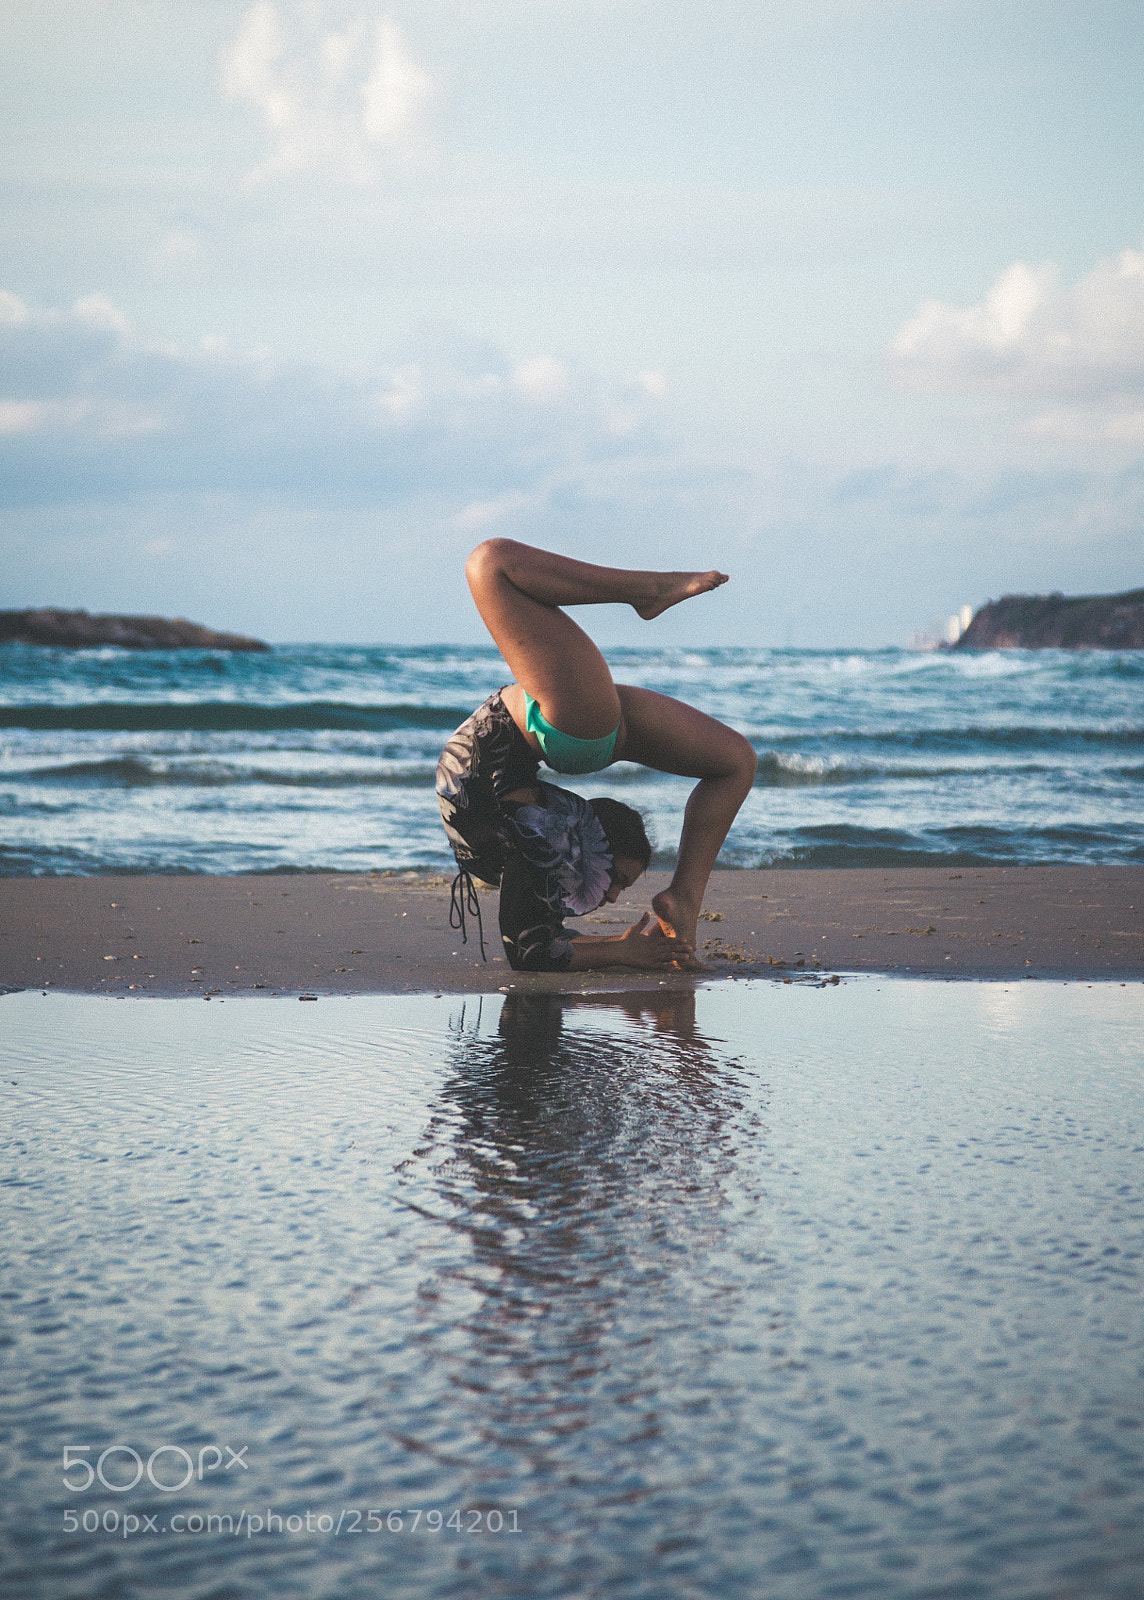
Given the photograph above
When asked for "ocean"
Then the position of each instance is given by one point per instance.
(321, 757)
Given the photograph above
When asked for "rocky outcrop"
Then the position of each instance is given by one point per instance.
(78, 630)
(1058, 622)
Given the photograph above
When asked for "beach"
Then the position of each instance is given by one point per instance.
(346, 933)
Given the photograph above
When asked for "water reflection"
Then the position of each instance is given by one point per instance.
(887, 1343)
(582, 1169)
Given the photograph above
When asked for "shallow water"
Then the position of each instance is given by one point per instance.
(768, 1291)
(323, 756)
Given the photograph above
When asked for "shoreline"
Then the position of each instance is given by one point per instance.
(344, 933)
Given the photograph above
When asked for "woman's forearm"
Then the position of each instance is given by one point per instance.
(641, 946)
(587, 953)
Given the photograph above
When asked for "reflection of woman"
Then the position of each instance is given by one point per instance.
(554, 854)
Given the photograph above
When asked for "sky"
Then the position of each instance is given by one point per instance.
(299, 301)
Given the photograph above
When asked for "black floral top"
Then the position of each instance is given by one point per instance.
(552, 859)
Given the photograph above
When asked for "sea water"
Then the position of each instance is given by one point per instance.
(322, 757)
(762, 1291)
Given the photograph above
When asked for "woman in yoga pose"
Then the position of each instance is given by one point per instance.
(554, 854)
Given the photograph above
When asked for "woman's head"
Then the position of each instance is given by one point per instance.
(624, 828)
(628, 840)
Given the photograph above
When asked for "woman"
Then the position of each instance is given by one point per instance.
(554, 854)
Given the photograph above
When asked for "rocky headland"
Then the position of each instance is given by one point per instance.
(1058, 622)
(79, 630)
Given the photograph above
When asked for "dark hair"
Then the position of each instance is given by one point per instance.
(624, 828)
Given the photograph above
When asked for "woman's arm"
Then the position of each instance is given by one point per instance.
(635, 948)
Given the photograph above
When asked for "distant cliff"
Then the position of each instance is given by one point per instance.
(77, 630)
(1058, 622)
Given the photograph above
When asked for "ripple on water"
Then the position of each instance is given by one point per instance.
(769, 1291)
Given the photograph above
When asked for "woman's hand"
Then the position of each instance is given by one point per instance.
(642, 946)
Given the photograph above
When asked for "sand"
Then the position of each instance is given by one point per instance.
(329, 933)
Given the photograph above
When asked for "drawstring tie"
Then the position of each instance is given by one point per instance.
(462, 898)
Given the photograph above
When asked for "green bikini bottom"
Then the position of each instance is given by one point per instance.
(562, 751)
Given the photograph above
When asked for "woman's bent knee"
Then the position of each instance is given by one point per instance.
(481, 564)
(745, 761)
(488, 562)
(732, 759)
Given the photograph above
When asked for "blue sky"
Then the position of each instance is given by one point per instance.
(299, 301)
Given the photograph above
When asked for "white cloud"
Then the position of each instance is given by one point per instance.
(21, 416)
(1078, 351)
(653, 383)
(543, 380)
(13, 311)
(395, 94)
(178, 248)
(1095, 424)
(98, 311)
(330, 99)
(400, 393)
(948, 341)
(482, 514)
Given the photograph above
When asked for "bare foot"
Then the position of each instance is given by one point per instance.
(678, 922)
(677, 586)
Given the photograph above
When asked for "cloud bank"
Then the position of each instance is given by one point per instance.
(301, 501)
(89, 410)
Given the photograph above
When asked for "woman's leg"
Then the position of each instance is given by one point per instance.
(519, 591)
(673, 737)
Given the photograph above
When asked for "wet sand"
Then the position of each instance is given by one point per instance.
(328, 933)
